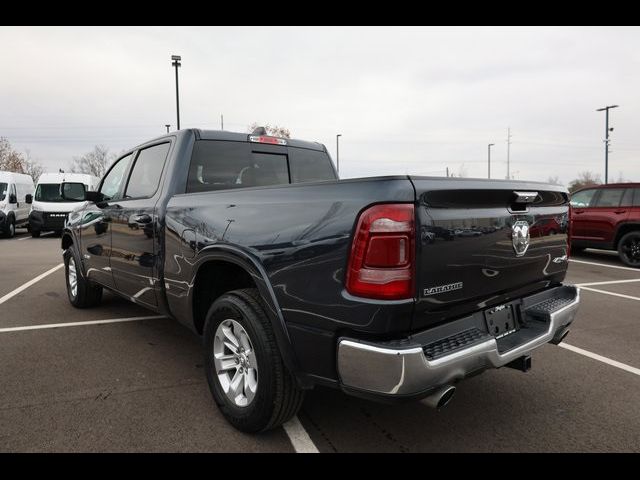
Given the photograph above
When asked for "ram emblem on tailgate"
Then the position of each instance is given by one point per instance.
(520, 237)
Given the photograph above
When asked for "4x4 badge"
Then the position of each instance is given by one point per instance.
(520, 237)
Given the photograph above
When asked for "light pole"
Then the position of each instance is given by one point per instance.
(606, 141)
(167, 125)
(489, 160)
(176, 63)
(338, 152)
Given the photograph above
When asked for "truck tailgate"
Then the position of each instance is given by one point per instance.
(481, 244)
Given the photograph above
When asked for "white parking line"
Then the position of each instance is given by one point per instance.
(29, 283)
(610, 282)
(600, 358)
(628, 297)
(299, 437)
(605, 265)
(79, 324)
(29, 236)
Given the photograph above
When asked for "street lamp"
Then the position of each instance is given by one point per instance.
(176, 63)
(606, 141)
(167, 125)
(489, 160)
(338, 151)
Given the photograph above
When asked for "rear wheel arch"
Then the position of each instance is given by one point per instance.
(221, 270)
(622, 230)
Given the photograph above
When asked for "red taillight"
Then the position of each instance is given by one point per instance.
(381, 264)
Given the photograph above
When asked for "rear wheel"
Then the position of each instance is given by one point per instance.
(247, 377)
(81, 292)
(629, 249)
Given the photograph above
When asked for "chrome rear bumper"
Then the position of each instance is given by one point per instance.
(405, 370)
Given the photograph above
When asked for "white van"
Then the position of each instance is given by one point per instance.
(16, 193)
(49, 211)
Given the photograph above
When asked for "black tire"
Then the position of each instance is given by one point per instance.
(577, 249)
(10, 228)
(35, 233)
(629, 249)
(278, 398)
(87, 294)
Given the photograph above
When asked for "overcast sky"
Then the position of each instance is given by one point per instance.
(406, 100)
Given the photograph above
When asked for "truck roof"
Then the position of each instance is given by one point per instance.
(16, 177)
(244, 137)
(57, 177)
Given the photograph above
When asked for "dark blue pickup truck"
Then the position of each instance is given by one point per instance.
(295, 278)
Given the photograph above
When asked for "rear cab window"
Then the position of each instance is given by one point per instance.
(224, 165)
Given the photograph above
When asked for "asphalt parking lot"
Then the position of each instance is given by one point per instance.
(137, 384)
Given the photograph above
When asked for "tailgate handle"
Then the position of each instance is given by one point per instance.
(525, 197)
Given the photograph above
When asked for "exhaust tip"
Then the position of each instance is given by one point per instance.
(446, 397)
(440, 397)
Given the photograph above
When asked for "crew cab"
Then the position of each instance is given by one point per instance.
(608, 217)
(294, 278)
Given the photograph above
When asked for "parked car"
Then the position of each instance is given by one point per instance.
(294, 278)
(49, 210)
(16, 194)
(608, 217)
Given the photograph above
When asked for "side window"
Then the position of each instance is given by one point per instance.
(636, 197)
(610, 197)
(627, 198)
(145, 177)
(13, 192)
(222, 165)
(309, 165)
(582, 199)
(111, 186)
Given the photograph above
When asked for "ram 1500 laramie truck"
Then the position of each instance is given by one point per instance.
(295, 278)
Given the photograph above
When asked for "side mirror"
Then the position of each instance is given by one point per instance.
(28, 199)
(96, 197)
(73, 191)
(13, 199)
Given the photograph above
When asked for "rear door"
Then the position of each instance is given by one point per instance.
(134, 222)
(507, 251)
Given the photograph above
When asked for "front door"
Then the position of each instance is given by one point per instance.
(600, 220)
(95, 226)
(134, 238)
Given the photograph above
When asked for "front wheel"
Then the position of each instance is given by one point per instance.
(35, 233)
(247, 377)
(81, 292)
(11, 228)
(629, 249)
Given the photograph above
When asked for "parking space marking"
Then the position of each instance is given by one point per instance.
(29, 236)
(600, 358)
(604, 265)
(621, 295)
(78, 324)
(15, 292)
(610, 282)
(299, 437)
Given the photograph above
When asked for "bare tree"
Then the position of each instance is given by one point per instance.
(32, 167)
(274, 130)
(554, 180)
(585, 179)
(10, 160)
(94, 162)
(13, 161)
